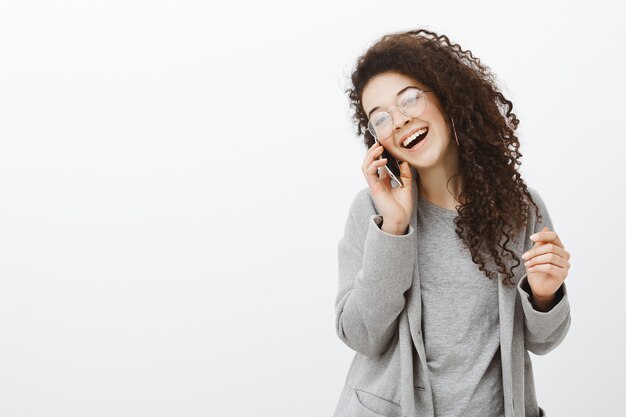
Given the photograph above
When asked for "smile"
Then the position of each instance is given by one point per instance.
(415, 138)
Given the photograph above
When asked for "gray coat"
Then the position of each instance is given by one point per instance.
(378, 315)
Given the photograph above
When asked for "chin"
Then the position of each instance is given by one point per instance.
(427, 159)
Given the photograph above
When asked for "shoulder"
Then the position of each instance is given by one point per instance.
(363, 206)
(536, 198)
(362, 211)
(536, 223)
(533, 193)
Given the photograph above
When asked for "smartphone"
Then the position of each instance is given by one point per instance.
(392, 167)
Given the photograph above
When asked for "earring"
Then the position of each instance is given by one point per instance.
(455, 136)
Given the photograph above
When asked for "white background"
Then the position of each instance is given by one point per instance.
(175, 176)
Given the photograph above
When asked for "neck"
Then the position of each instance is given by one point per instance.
(434, 183)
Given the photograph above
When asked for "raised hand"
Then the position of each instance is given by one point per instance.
(394, 204)
(547, 266)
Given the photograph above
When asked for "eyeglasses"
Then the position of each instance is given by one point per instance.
(412, 103)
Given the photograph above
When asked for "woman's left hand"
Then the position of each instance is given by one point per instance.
(547, 264)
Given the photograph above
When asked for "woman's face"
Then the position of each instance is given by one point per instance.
(381, 93)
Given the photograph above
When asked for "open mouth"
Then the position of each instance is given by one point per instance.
(415, 138)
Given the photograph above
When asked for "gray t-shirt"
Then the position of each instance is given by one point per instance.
(459, 320)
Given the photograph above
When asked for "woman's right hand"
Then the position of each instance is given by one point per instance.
(394, 204)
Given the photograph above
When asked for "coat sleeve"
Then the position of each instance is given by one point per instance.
(375, 270)
(543, 331)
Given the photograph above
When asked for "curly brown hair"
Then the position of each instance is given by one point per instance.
(494, 196)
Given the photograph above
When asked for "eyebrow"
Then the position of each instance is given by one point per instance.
(397, 95)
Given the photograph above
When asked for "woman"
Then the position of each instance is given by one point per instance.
(433, 296)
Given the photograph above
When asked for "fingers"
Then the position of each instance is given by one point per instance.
(546, 248)
(371, 155)
(377, 163)
(374, 151)
(547, 235)
(551, 269)
(371, 163)
(547, 255)
(547, 258)
(385, 178)
(406, 174)
(546, 241)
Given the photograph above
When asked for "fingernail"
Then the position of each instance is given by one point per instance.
(533, 237)
(525, 256)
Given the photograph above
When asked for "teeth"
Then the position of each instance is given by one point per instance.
(414, 135)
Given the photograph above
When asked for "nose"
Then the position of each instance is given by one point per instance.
(400, 119)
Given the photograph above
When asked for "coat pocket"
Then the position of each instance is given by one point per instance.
(366, 404)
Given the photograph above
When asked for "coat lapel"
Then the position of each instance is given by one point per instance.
(506, 305)
(414, 318)
(507, 298)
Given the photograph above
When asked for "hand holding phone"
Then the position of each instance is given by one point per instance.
(392, 168)
(394, 204)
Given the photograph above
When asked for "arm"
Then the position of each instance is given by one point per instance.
(375, 270)
(546, 321)
(544, 331)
